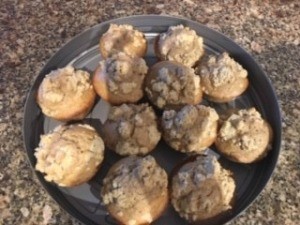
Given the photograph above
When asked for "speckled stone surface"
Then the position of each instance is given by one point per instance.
(31, 31)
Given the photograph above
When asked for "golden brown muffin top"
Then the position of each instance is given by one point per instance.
(132, 184)
(61, 88)
(172, 84)
(69, 153)
(122, 38)
(180, 44)
(124, 73)
(221, 70)
(187, 128)
(240, 128)
(135, 128)
(202, 189)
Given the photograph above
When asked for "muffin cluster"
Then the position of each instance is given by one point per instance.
(163, 102)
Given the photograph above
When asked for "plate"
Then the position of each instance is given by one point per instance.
(83, 202)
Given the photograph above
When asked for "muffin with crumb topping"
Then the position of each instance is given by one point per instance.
(244, 137)
(222, 78)
(180, 44)
(202, 190)
(123, 38)
(190, 129)
(135, 190)
(120, 78)
(70, 155)
(66, 94)
(172, 85)
(131, 129)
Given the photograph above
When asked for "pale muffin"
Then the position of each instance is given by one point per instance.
(120, 78)
(202, 189)
(135, 190)
(172, 85)
(66, 94)
(180, 44)
(191, 129)
(70, 155)
(123, 38)
(131, 129)
(222, 78)
(244, 137)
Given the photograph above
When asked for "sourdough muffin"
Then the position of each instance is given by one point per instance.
(180, 44)
(120, 78)
(135, 190)
(244, 137)
(172, 85)
(123, 38)
(70, 155)
(222, 78)
(191, 129)
(131, 129)
(66, 94)
(202, 189)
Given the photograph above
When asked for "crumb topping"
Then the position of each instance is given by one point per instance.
(181, 44)
(222, 70)
(136, 128)
(240, 126)
(186, 129)
(133, 183)
(177, 85)
(119, 38)
(202, 188)
(124, 73)
(69, 153)
(63, 84)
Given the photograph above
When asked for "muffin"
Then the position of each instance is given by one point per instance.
(172, 85)
(244, 137)
(120, 78)
(66, 94)
(202, 189)
(69, 155)
(222, 78)
(123, 38)
(191, 129)
(135, 190)
(131, 129)
(180, 44)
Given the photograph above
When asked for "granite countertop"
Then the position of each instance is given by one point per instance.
(32, 31)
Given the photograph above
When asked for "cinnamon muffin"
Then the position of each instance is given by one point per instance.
(70, 155)
(66, 94)
(202, 189)
(123, 38)
(135, 190)
(172, 85)
(222, 78)
(244, 137)
(131, 129)
(180, 44)
(191, 129)
(120, 78)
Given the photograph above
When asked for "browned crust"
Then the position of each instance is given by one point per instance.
(101, 87)
(158, 206)
(156, 48)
